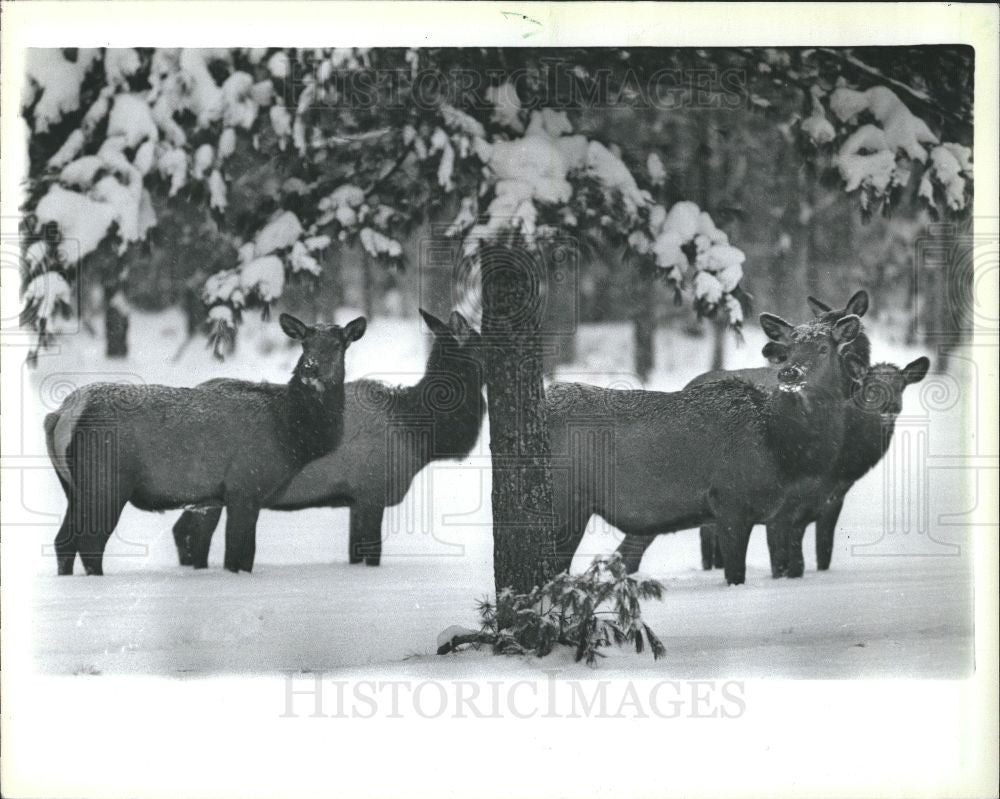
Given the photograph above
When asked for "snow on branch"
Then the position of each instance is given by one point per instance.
(54, 83)
(546, 173)
(918, 98)
(98, 185)
(177, 121)
(879, 141)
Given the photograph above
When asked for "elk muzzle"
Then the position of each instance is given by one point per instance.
(791, 378)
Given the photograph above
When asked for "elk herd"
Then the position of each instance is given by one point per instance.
(780, 445)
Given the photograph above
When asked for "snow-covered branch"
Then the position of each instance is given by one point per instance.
(544, 173)
(879, 142)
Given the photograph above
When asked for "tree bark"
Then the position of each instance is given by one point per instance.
(561, 313)
(643, 323)
(523, 537)
(115, 323)
(807, 211)
(367, 284)
(718, 345)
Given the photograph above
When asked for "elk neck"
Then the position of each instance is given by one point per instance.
(805, 429)
(314, 417)
(867, 435)
(450, 394)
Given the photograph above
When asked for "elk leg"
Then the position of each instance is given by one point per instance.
(735, 535)
(193, 536)
(709, 547)
(373, 524)
(200, 540)
(565, 548)
(372, 535)
(718, 551)
(570, 526)
(632, 548)
(354, 537)
(99, 523)
(182, 537)
(778, 548)
(65, 543)
(366, 534)
(793, 542)
(826, 525)
(182, 541)
(241, 534)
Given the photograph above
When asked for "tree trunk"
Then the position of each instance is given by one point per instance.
(718, 345)
(644, 323)
(523, 538)
(807, 210)
(115, 322)
(944, 284)
(561, 312)
(367, 284)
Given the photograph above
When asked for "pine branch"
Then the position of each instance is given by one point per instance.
(469, 638)
(386, 175)
(918, 98)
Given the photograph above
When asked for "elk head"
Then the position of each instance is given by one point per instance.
(856, 305)
(881, 389)
(455, 340)
(323, 348)
(813, 354)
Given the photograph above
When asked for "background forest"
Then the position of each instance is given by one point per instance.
(158, 167)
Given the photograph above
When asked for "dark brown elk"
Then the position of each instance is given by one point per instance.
(390, 434)
(653, 462)
(869, 424)
(766, 376)
(232, 444)
(633, 548)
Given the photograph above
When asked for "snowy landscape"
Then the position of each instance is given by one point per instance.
(897, 601)
(517, 256)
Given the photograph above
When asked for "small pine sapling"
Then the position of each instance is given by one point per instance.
(587, 612)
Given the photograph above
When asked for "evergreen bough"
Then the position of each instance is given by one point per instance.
(588, 611)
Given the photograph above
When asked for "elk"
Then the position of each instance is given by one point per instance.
(633, 548)
(653, 462)
(390, 434)
(226, 443)
(869, 424)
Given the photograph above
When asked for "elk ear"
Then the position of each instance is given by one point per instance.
(460, 327)
(775, 353)
(818, 308)
(846, 329)
(776, 328)
(294, 328)
(355, 329)
(858, 304)
(854, 366)
(916, 371)
(438, 328)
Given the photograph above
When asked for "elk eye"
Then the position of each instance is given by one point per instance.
(824, 349)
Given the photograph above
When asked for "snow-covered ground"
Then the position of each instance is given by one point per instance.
(898, 600)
